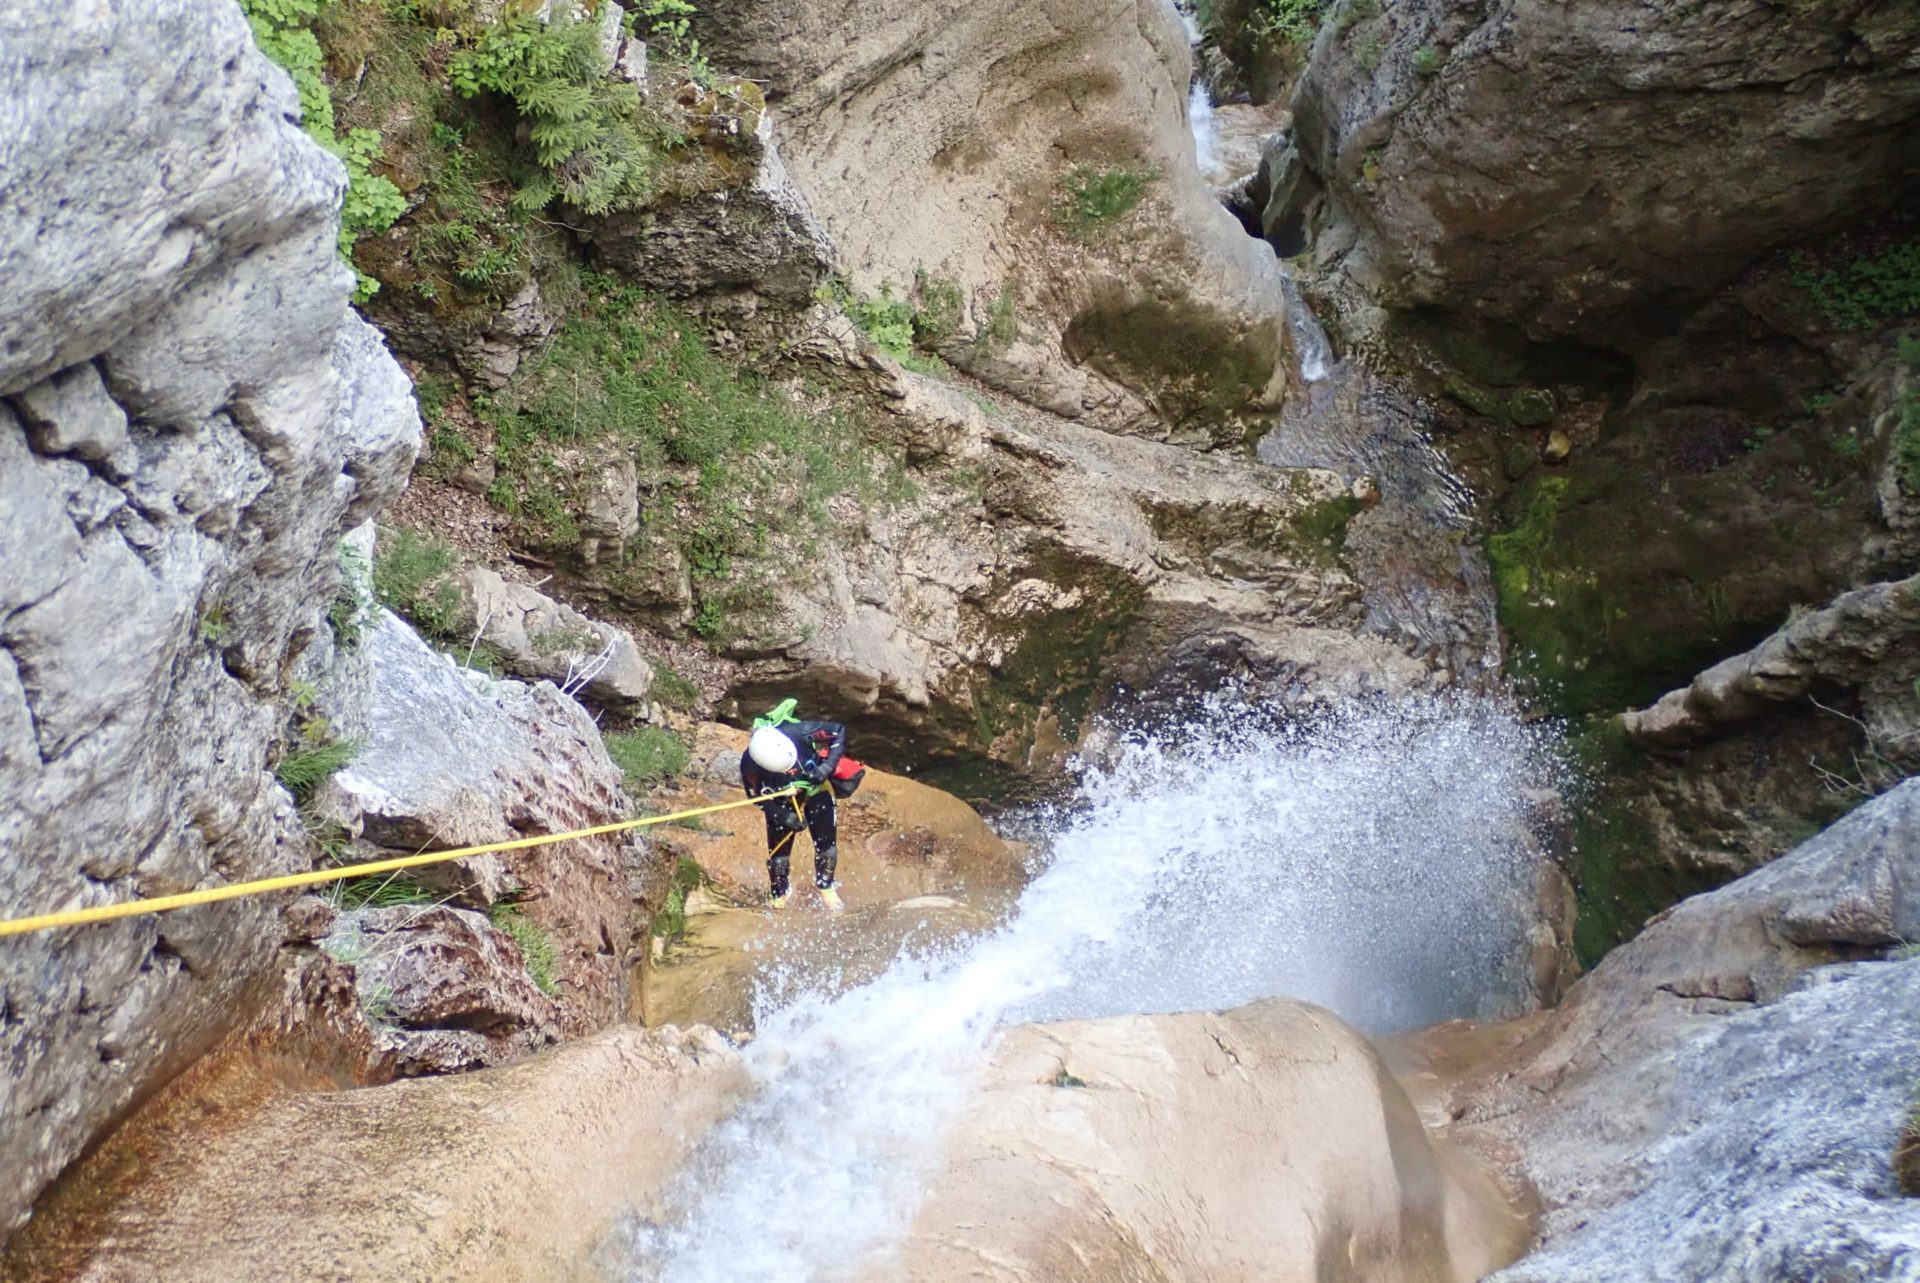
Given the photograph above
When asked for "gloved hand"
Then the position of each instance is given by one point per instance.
(783, 819)
(813, 772)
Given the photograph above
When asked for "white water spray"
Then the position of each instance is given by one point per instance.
(1371, 864)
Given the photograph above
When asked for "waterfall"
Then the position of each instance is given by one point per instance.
(1200, 120)
(1369, 863)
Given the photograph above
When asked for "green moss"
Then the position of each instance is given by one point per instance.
(1321, 529)
(1618, 883)
(1057, 659)
(1511, 407)
(1196, 368)
(1610, 599)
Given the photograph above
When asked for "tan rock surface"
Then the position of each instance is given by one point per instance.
(506, 1174)
(1263, 1143)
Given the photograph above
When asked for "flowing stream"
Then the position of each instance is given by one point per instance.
(1371, 862)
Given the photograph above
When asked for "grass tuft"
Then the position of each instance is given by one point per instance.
(307, 767)
(535, 941)
(648, 754)
(1094, 199)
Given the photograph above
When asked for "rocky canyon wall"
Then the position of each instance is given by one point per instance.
(192, 419)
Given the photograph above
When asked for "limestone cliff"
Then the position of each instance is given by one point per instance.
(193, 419)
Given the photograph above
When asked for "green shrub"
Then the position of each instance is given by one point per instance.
(1867, 290)
(940, 307)
(1906, 351)
(1906, 441)
(648, 754)
(283, 30)
(535, 941)
(1427, 60)
(1094, 199)
(1368, 53)
(410, 579)
(594, 143)
(727, 460)
(1288, 21)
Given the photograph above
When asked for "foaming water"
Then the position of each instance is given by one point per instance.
(1372, 863)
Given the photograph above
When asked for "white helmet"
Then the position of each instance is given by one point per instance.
(772, 751)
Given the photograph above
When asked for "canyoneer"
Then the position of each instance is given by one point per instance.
(785, 752)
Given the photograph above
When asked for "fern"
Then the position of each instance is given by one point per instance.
(594, 143)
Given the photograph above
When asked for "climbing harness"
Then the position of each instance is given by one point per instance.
(314, 877)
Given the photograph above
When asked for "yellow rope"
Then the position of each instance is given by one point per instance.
(233, 891)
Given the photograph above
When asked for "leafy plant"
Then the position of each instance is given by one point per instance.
(1866, 290)
(1290, 21)
(1368, 53)
(887, 320)
(1906, 351)
(940, 307)
(648, 754)
(594, 144)
(1094, 199)
(670, 24)
(535, 941)
(213, 626)
(1427, 60)
(283, 30)
(347, 613)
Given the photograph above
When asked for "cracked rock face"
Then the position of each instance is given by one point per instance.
(450, 757)
(190, 418)
(1583, 169)
(1714, 1101)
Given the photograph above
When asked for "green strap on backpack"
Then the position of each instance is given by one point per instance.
(779, 715)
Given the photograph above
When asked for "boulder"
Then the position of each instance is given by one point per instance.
(1681, 1114)
(449, 757)
(537, 637)
(1266, 1142)
(193, 418)
(443, 989)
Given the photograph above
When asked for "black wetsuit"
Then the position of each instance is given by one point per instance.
(821, 745)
